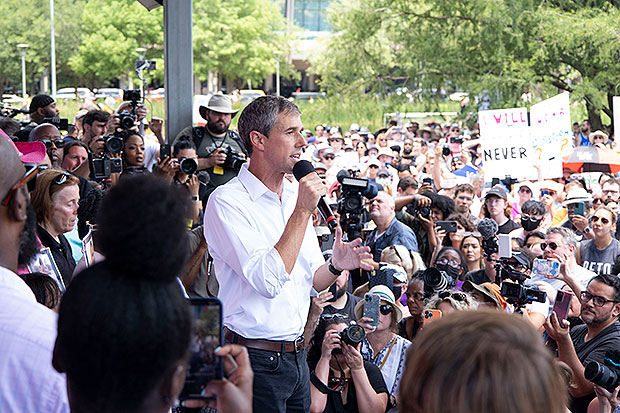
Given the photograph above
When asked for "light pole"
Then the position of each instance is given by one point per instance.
(23, 47)
(278, 53)
(141, 53)
(53, 49)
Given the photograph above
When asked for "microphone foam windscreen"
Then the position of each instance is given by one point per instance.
(487, 228)
(302, 168)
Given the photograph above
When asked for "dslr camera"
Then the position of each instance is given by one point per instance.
(435, 280)
(606, 375)
(352, 335)
(233, 159)
(188, 166)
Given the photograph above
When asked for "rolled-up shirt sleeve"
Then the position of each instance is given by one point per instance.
(233, 238)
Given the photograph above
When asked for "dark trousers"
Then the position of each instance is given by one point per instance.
(281, 381)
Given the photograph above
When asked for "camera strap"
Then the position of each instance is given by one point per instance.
(388, 353)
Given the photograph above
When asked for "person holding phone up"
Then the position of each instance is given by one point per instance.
(598, 254)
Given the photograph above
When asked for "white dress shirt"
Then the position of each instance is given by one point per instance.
(243, 222)
(27, 336)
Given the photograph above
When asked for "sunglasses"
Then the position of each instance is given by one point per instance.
(373, 166)
(525, 190)
(59, 143)
(527, 217)
(597, 300)
(456, 295)
(472, 234)
(552, 245)
(385, 309)
(60, 179)
(604, 220)
(330, 157)
(28, 178)
(334, 316)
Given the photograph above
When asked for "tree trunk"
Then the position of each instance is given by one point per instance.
(594, 116)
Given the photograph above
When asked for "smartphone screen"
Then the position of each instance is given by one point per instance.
(371, 308)
(562, 304)
(204, 365)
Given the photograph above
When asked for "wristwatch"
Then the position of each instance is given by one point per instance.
(333, 269)
(587, 230)
(195, 198)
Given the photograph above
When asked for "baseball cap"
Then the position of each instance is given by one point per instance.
(28, 152)
(386, 152)
(497, 191)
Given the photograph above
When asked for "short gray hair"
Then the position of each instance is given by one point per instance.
(568, 236)
(261, 115)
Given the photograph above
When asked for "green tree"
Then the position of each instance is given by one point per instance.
(494, 48)
(111, 31)
(237, 38)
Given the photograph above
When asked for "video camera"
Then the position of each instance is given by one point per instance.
(102, 168)
(514, 292)
(351, 203)
(60, 123)
(606, 375)
(127, 118)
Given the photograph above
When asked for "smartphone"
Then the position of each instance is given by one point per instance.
(164, 151)
(504, 242)
(562, 304)
(333, 289)
(448, 226)
(430, 315)
(579, 208)
(546, 268)
(544, 192)
(371, 308)
(204, 365)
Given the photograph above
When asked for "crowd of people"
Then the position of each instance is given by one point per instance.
(441, 289)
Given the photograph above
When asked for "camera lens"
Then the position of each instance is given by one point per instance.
(353, 335)
(600, 374)
(188, 166)
(126, 120)
(114, 144)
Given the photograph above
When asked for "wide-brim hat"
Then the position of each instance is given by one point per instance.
(386, 152)
(577, 195)
(489, 290)
(386, 295)
(218, 103)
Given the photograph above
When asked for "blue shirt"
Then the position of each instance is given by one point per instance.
(396, 234)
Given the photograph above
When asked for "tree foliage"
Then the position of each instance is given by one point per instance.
(491, 47)
(238, 38)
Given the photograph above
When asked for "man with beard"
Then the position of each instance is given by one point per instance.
(344, 302)
(600, 307)
(41, 107)
(50, 136)
(214, 140)
(27, 328)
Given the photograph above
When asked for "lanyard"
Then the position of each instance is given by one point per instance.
(388, 353)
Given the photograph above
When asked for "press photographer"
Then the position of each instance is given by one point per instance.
(220, 151)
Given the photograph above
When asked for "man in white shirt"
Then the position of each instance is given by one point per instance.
(27, 329)
(266, 255)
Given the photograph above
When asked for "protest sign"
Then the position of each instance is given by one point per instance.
(506, 144)
(551, 133)
(616, 112)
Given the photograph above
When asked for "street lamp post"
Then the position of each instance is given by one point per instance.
(23, 47)
(278, 53)
(141, 53)
(53, 49)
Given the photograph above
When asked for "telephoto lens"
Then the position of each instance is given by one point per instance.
(602, 375)
(353, 335)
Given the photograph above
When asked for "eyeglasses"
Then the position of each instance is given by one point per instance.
(554, 246)
(527, 217)
(385, 309)
(610, 191)
(597, 300)
(604, 220)
(330, 157)
(373, 166)
(456, 295)
(493, 200)
(28, 178)
(451, 263)
(525, 190)
(465, 198)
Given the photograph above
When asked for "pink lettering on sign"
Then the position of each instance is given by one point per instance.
(510, 118)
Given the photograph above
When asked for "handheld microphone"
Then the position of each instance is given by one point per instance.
(303, 168)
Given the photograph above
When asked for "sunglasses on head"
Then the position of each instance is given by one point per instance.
(456, 295)
(385, 309)
(603, 219)
(554, 246)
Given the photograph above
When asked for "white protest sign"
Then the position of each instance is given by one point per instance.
(616, 103)
(551, 133)
(506, 144)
